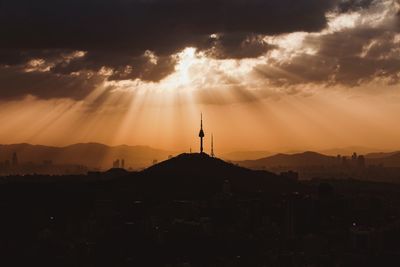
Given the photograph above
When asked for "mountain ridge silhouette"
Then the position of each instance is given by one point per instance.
(307, 158)
(196, 174)
(92, 155)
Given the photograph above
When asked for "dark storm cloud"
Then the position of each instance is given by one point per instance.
(237, 46)
(115, 34)
(45, 85)
(352, 5)
(163, 26)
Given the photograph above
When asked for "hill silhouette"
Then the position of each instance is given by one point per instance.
(381, 155)
(195, 164)
(92, 155)
(348, 151)
(294, 160)
(195, 175)
(310, 159)
(245, 155)
(391, 159)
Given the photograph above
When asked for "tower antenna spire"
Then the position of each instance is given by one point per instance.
(201, 133)
(212, 145)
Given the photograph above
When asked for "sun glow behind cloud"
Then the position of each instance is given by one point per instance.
(193, 71)
(273, 101)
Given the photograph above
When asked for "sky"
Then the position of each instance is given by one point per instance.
(267, 75)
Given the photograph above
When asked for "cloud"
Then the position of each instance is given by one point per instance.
(53, 49)
(46, 85)
(355, 50)
(237, 46)
(163, 26)
(353, 5)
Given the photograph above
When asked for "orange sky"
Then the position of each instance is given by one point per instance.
(315, 122)
(332, 88)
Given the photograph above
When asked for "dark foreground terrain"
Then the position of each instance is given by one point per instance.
(194, 210)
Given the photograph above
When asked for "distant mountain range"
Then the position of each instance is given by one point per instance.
(289, 160)
(391, 159)
(344, 151)
(381, 155)
(92, 155)
(246, 155)
(308, 159)
(100, 156)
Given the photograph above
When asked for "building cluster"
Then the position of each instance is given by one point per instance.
(10, 163)
(356, 161)
(327, 224)
(14, 166)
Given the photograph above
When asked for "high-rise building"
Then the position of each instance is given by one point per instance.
(15, 159)
(116, 164)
